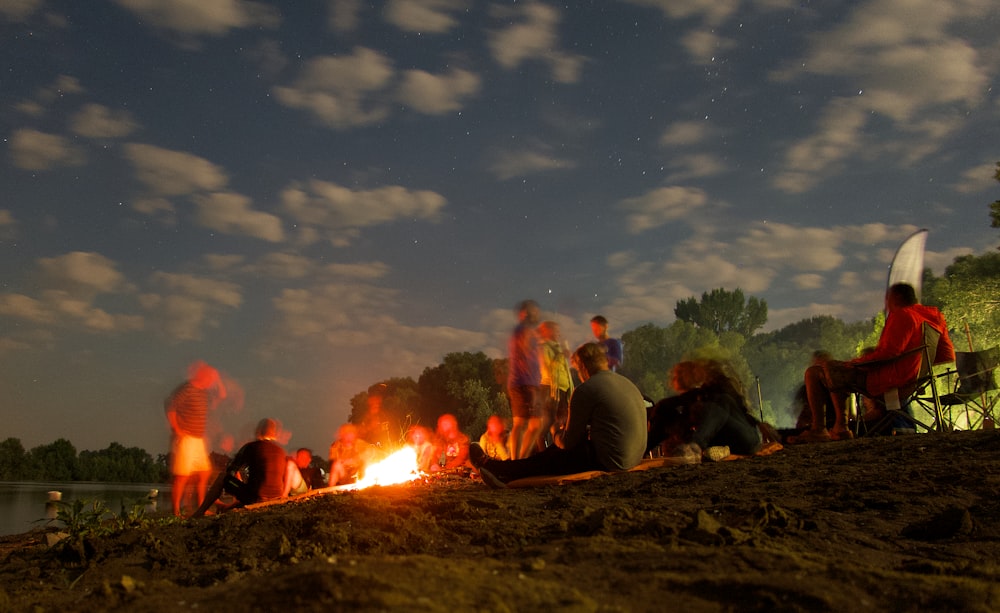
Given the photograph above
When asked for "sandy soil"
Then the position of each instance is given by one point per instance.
(908, 523)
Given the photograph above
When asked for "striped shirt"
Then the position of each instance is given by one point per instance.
(191, 406)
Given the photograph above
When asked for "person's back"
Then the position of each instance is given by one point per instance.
(614, 409)
(266, 466)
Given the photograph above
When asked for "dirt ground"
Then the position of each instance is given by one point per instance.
(907, 523)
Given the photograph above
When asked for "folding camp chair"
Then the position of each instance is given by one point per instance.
(977, 387)
(900, 402)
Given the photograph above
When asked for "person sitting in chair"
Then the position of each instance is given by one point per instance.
(903, 332)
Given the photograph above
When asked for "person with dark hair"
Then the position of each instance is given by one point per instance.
(606, 428)
(257, 473)
(613, 346)
(710, 411)
(903, 332)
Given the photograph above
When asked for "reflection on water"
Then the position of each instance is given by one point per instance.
(25, 505)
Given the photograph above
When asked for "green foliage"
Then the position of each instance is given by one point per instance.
(56, 461)
(120, 464)
(724, 311)
(995, 207)
(463, 384)
(651, 351)
(969, 294)
(13, 460)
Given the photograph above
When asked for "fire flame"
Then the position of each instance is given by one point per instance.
(399, 467)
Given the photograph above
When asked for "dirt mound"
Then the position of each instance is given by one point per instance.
(896, 523)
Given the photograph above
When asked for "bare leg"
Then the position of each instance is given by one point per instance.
(177, 492)
(530, 438)
(817, 394)
(202, 486)
(517, 431)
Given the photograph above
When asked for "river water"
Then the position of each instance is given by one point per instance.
(24, 505)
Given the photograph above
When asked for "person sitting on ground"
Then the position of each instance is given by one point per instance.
(606, 429)
(349, 455)
(257, 472)
(902, 333)
(299, 475)
(709, 411)
(451, 445)
(494, 440)
(419, 439)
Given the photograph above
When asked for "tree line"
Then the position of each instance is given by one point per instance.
(722, 324)
(59, 461)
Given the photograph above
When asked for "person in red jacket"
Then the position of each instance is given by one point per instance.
(903, 332)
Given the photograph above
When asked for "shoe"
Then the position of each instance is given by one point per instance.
(841, 435)
(810, 436)
(477, 456)
(490, 479)
(717, 453)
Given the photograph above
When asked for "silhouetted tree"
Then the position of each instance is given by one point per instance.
(13, 460)
(721, 311)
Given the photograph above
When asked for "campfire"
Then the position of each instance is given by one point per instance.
(399, 467)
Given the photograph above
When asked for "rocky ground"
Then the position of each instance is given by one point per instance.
(906, 523)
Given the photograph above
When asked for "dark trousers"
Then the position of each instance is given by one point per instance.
(553, 461)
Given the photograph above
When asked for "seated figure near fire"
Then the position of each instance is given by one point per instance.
(349, 455)
(494, 440)
(606, 429)
(257, 472)
(451, 445)
(300, 476)
(419, 439)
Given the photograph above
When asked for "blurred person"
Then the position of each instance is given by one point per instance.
(187, 410)
(709, 410)
(524, 380)
(616, 353)
(419, 439)
(257, 473)
(300, 475)
(374, 427)
(494, 440)
(451, 445)
(557, 381)
(349, 455)
(606, 428)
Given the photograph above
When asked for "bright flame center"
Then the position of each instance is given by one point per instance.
(399, 467)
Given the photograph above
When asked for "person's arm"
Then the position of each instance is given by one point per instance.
(461, 458)
(895, 338)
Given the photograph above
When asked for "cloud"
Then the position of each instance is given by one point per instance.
(534, 38)
(215, 18)
(693, 166)
(802, 248)
(510, 164)
(338, 212)
(661, 205)
(704, 45)
(712, 11)
(341, 91)
(98, 121)
(344, 15)
(437, 94)
(685, 133)
(187, 304)
(888, 51)
(231, 213)
(8, 225)
(173, 173)
(159, 208)
(34, 150)
(425, 16)
(71, 284)
(978, 179)
(18, 10)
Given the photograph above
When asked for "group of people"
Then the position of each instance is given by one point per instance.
(560, 426)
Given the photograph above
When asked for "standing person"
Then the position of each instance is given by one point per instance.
(599, 326)
(374, 427)
(557, 381)
(903, 331)
(523, 381)
(187, 410)
(606, 428)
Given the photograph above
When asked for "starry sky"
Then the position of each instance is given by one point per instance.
(314, 196)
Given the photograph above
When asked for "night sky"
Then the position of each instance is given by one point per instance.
(315, 196)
